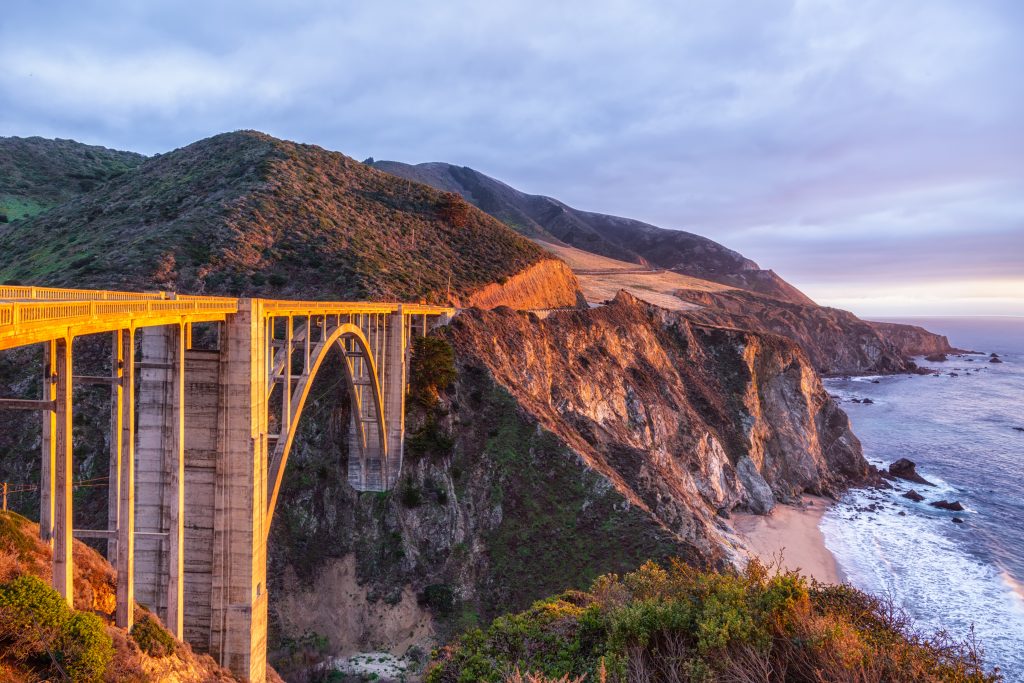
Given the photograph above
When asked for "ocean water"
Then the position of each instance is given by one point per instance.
(960, 432)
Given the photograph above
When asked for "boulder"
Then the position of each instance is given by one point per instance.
(955, 505)
(914, 496)
(867, 400)
(906, 469)
(957, 520)
(994, 359)
(936, 357)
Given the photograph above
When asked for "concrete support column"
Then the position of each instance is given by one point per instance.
(124, 614)
(63, 528)
(47, 491)
(394, 387)
(239, 604)
(114, 465)
(160, 476)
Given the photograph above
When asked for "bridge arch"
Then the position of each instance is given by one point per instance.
(377, 444)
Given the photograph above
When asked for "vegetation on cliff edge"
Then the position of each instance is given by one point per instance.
(682, 624)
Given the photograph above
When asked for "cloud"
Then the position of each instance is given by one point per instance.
(822, 138)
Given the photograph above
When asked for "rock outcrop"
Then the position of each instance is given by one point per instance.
(913, 340)
(907, 470)
(544, 285)
(836, 341)
(650, 398)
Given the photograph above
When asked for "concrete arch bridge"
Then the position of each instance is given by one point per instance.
(213, 426)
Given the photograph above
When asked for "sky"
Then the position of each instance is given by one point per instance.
(870, 152)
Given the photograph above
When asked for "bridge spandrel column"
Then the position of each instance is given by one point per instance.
(239, 599)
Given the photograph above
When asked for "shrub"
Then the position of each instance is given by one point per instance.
(432, 369)
(38, 628)
(31, 617)
(680, 624)
(152, 638)
(439, 597)
(85, 647)
(453, 209)
(410, 494)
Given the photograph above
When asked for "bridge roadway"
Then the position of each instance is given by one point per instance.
(214, 422)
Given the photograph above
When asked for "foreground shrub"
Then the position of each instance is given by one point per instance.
(38, 630)
(152, 638)
(681, 624)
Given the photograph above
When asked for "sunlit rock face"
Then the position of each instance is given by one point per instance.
(687, 421)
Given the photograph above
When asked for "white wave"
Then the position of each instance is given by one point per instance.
(918, 560)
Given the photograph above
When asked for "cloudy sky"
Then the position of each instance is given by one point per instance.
(871, 152)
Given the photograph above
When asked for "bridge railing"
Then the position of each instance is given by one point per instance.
(13, 292)
(27, 322)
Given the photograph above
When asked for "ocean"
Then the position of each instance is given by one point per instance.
(959, 427)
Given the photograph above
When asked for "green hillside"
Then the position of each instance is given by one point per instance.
(244, 213)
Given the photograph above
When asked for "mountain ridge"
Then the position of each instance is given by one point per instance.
(244, 213)
(625, 239)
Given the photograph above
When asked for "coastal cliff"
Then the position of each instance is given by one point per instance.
(583, 443)
(913, 340)
(836, 341)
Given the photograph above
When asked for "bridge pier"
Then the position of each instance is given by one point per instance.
(238, 638)
(62, 470)
(159, 475)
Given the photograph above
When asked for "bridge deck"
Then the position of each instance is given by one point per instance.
(29, 315)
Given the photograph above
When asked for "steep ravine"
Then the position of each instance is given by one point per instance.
(567, 447)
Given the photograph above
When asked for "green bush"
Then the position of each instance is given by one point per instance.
(439, 597)
(152, 638)
(410, 494)
(678, 623)
(39, 630)
(432, 369)
(31, 616)
(85, 647)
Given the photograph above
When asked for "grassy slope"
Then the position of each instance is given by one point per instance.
(244, 213)
(37, 174)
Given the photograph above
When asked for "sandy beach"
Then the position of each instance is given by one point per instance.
(792, 532)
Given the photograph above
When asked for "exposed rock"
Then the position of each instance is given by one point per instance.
(994, 359)
(1018, 429)
(912, 340)
(906, 469)
(957, 520)
(955, 505)
(682, 418)
(836, 341)
(936, 357)
(867, 400)
(914, 496)
(546, 284)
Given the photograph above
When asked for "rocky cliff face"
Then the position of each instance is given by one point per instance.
(579, 444)
(836, 341)
(913, 340)
(546, 284)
